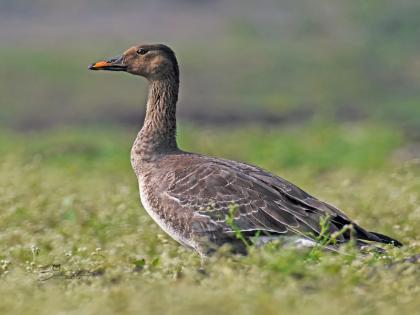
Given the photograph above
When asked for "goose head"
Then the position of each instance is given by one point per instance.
(154, 62)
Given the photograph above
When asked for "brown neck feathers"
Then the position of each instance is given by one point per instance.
(158, 135)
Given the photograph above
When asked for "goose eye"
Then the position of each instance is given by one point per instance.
(141, 51)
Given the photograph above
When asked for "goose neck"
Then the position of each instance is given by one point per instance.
(158, 135)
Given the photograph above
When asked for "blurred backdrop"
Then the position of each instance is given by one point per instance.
(272, 65)
(269, 61)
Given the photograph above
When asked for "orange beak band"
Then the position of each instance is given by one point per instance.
(100, 64)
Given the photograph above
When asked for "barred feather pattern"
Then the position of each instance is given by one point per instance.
(195, 195)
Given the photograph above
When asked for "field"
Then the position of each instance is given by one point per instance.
(325, 94)
(75, 240)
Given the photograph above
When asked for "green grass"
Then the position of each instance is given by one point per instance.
(75, 240)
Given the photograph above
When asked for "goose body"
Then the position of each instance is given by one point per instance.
(203, 202)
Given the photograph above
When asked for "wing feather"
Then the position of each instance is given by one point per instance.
(258, 201)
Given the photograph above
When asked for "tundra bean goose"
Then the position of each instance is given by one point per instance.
(201, 201)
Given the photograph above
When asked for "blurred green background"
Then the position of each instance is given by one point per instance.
(324, 93)
(274, 65)
(271, 62)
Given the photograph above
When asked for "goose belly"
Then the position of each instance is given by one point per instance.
(153, 211)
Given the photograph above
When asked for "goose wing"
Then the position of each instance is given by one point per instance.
(226, 197)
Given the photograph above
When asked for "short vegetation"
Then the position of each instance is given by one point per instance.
(75, 240)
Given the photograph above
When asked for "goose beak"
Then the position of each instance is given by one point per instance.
(112, 64)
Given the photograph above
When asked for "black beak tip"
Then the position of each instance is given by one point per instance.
(92, 67)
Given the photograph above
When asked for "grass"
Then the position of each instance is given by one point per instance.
(75, 240)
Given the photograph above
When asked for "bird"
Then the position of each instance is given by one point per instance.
(205, 202)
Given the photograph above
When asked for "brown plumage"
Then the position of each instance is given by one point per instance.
(201, 201)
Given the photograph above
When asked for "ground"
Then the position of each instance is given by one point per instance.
(74, 238)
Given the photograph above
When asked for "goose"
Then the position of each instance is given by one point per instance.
(204, 202)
